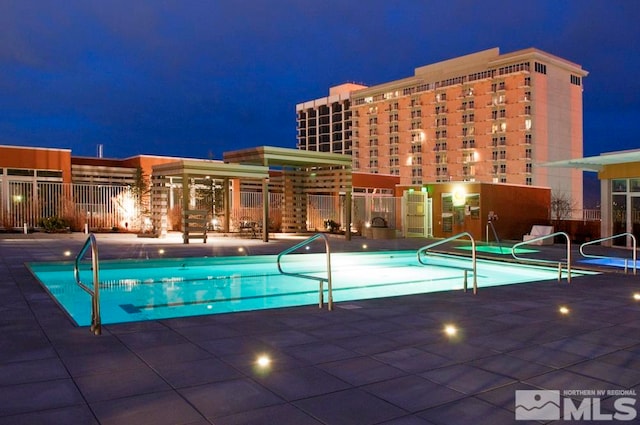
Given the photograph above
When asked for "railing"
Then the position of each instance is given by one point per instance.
(424, 250)
(320, 280)
(495, 234)
(634, 255)
(535, 260)
(96, 325)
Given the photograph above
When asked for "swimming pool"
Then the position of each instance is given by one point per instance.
(138, 290)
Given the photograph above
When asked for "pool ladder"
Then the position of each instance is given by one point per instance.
(536, 260)
(320, 280)
(424, 250)
(634, 255)
(96, 325)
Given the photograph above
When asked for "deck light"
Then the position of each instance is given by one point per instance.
(450, 330)
(161, 251)
(364, 246)
(241, 249)
(263, 361)
(67, 253)
(563, 310)
(636, 296)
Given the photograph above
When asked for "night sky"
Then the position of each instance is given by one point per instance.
(197, 78)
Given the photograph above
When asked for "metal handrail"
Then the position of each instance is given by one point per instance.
(96, 323)
(424, 250)
(633, 238)
(319, 279)
(495, 234)
(536, 260)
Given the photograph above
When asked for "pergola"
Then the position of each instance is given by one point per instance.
(303, 172)
(188, 170)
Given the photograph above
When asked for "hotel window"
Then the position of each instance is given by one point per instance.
(472, 104)
(373, 120)
(541, 68)
(494, 115)
(494, 155)
(503, 179)
(503, 126)
(527, 110)
(395, 106)
(501, 85)
(503, 168)
(528, 181)
(472, 118)
(527, 124)
(494, 142)
(575, 80)
(503, 154)
(373, 142)
(373, 152)
(503, 113)
(503, 140)
(414, 114)
(373, 163)
(527, 95)
(527, 139)
(527, 81)
(527, 153)
(528, 167)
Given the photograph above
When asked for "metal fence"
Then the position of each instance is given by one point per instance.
(96, 206)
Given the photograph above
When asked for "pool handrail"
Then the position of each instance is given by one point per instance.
(425, 248)
(633, 239)
(319, 279)
(96, 322)
(537, 260)
(495, 234)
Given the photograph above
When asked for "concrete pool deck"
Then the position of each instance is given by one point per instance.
(381, 361)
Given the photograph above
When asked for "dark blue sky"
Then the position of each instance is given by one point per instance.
(197, 78)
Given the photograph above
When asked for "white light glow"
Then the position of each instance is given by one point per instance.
(450, 330)
(636, 296)
(563, 310)
(263, 360)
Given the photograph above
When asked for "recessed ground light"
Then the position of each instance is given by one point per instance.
(636, 296)
(307, 247)
(450, 330)
(263, 360)
(563, 310)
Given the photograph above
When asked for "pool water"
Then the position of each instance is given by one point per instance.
(138, 290)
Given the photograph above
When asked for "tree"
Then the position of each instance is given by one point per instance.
(140, 189)
(561, 207)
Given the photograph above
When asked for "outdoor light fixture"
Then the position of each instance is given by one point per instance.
(263, 361)
(364, 246)
(450, 330)
(459, 196)
(636, 296)
(563, 310)
(161, 251)
(367, 224)
(241, 249)
(67, 253)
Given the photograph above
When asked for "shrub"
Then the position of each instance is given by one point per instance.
(53, 224)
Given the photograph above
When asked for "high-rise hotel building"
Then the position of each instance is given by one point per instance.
(485, 117)
(326, 124)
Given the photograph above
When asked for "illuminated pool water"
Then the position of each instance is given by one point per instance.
(135, 290)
